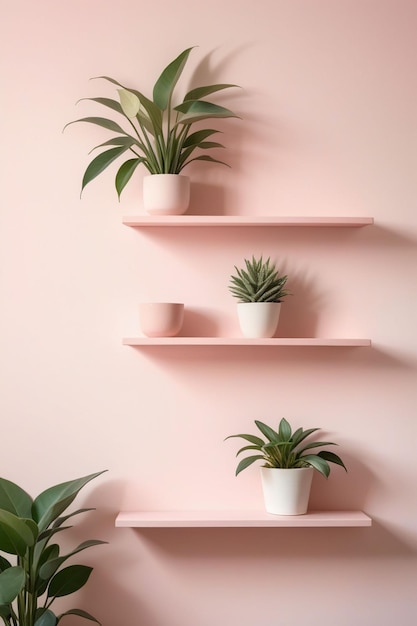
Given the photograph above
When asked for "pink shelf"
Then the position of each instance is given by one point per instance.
(241, 341)
(243, 220)
(239, 519)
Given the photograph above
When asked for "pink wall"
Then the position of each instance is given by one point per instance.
(329, 128)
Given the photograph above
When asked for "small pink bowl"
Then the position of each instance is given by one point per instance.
(161, 319)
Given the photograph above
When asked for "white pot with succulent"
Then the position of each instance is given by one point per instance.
(259, 289)
(288, 467)
(159, 137)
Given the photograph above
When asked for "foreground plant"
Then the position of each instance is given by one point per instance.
(260, 282)
(28, 529)
(159, 134)
(283, 449)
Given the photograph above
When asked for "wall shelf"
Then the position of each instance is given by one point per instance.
(240, 519)
(241, 341)
(142, 221)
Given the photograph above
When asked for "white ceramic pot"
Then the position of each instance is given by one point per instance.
(166, 194)
(161, 319)
(286, 491)
(258, 319)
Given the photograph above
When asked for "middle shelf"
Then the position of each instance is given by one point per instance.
(242, 341)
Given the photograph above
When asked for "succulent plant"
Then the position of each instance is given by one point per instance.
(260, 282)
(283, 449)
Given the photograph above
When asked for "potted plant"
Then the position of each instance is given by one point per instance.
(260, 290)
(288, 466)
(159, 137)
(28, 529)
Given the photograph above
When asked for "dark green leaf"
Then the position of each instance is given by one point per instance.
(69, 580)
(284, 429)
(49, 568)
(164, 86)
(5, 613)
(15, 535)
(244, 463)
(100, 163)
(251, 438)
(117, 141)
(12, 581)
(64, 518)
(4, 563)
(196, 138)
(205, 157)
(108, 102)
(14, 499)
(125, 173)
(99, 121)
(197, 110)
(317, 462)
(268, 432)
(331, 458)
(49, 505)
(202, 92)
(45, 617)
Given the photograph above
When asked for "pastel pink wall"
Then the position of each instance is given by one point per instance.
(328, 127)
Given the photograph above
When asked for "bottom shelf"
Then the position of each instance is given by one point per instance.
(239, 519)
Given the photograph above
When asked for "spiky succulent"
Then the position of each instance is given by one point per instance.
(283, 449)
(260, 282)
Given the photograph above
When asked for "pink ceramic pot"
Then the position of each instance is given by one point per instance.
(161, 319)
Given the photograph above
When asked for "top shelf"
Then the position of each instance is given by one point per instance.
(245, 220)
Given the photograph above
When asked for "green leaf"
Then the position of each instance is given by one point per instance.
(202, 92)
(79, 613)
(244, 463)
(318, 463)
(197, 110)
(4, 563)
(251, 438)
(125, 173)
(15, 534)
(332, 458)
(49, 568)
(245, 448)
(268, 432)
(196, 138)
(99, 121)
(49, 505)
(64, 518)
(69, 580)
(12, 581)
(315, 444)
(100, 163)
(204, 157)
(108, 102)
(5, 613)
(14, 499)
(118, 141)
(284, 430)
(164, 86)
(45, 617)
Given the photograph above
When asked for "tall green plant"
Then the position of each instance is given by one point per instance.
(28, 528)
(159, 134)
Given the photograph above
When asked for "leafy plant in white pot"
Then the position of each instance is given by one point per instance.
(260, 290)
(288, 468)
(159, 137)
